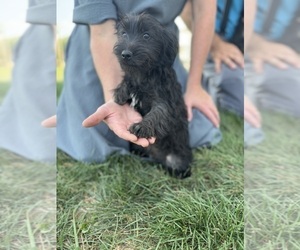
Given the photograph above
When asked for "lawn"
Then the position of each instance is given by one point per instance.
(4, 87)
(27, 203)
(27, 197)
(125, 203)
(272, 187)
(128, 204)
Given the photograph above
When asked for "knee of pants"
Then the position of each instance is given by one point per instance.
(252, 136)
(280, 91)
(231, 91)
(202, 132)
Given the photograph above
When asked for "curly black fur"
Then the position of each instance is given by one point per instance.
(146, 52)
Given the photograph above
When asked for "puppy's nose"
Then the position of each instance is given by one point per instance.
(126, 55)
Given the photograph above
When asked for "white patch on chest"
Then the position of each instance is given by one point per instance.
(134, 101)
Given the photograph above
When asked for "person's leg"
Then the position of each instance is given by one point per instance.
(280, 90)
(32, 97)
(202, 132)
(230, 92)
(81, 96)
(252, 135)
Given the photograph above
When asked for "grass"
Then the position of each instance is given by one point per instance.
(125, 203)
(4, 87)
(27, 197)
(27, 203)
(272, 200)
(5, 73)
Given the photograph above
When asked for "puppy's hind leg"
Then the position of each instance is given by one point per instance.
(178, 164)
(176, 158)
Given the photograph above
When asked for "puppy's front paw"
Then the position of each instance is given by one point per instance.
(141, 130)
(121, 100)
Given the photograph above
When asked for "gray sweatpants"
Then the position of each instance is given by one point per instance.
(274, 89)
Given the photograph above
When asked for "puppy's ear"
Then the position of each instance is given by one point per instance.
(170, 47)
(122, 17)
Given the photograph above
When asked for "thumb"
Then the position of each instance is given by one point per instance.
(189, 112)
(258, 65)
(94, 119)
(49, 122)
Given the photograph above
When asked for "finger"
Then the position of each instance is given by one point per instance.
(215, 112)
(49, 122)
(126, 135)
(97, 117)
(189, 113)
(142, 142)
(252, 119)
(152, 140)
(277, 63)
(217, 65)
(239, 59)
(293, 59)
(229, 63)
(252, 110)
(211, 116)
(258, 65)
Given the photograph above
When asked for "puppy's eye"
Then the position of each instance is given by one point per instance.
(124, 34)
(146, 36)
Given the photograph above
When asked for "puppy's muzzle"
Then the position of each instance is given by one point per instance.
(126, 55)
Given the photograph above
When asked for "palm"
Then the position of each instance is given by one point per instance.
(121, 118)
(118, 118)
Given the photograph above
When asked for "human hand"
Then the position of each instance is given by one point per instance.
(279, 55)
(227, 53)
(197, 97)
(251, 114)
(118, 118)
(49, 122)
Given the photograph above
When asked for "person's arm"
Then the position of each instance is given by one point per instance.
(203, 18)
(203, 13)
(186, 14)
(249, 17)
(221, 51)
(103, 38)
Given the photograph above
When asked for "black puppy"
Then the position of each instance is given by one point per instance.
(146, 52)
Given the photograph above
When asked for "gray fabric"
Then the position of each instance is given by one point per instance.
(279, 90)
(276, 90)
(97, 11)
(31, 98)
(82, 93)
(252, 136)
(94, 11)
(231, 90)
(226, 88)
(41, 12)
